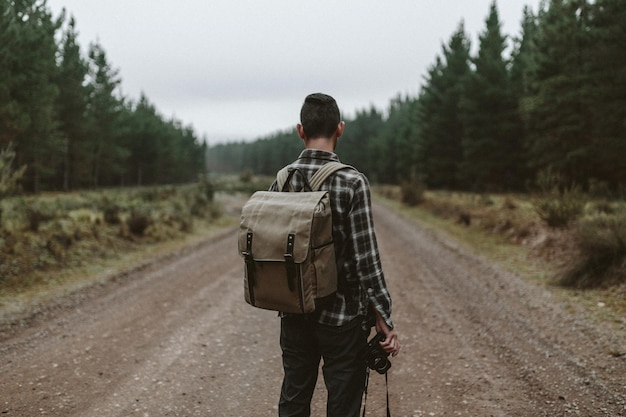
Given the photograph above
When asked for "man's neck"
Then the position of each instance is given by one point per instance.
(322, 144)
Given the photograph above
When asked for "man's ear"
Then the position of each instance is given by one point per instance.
(300, 129)
(340, 128)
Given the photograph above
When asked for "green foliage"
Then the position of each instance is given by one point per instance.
(560, 114)
(395, 141)
(71, 107)
(554, 97)
(30, 90)
(524, 55)
(607, 97)
(104, 114)
(264, 156)
(67, 119)
(355, 144)
(439, 152)
(486, 122)
(9, 176)
(601, 259)
(558, 205)
(491, 139)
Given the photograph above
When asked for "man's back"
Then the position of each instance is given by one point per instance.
(353, 234)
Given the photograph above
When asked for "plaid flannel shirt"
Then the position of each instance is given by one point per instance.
(361, 280)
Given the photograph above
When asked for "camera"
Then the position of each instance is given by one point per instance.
(376, 357)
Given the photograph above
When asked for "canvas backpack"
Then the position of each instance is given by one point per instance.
(286, 241)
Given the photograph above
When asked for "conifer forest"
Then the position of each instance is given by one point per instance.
(549, 99)
(65, 125)
(488, 117)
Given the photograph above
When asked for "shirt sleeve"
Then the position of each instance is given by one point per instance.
(365, 249)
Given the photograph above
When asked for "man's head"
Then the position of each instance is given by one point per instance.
(319, 117)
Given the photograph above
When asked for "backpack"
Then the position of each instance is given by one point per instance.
(286, 241)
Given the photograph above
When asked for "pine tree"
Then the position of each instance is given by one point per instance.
(72, 110)
(439, 151)
(607, 75)
(524, 66)
(523, 76)
(491, 142)
(557, 110)
(393, 159)
(33, 91)
(12, 121)
(104, 112)
(359, 133)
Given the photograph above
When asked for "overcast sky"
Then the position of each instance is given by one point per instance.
(236, 69)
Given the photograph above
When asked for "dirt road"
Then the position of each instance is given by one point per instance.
(177, 339)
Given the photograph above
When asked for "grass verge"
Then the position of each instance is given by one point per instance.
(43, 288)
(522, 256)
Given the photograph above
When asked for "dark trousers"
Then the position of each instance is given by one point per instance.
(304, 343)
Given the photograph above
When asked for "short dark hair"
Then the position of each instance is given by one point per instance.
(319, 116)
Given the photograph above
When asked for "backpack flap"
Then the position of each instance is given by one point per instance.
(271, 218)
(286, 241)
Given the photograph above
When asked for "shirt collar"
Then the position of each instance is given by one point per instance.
(318, 154)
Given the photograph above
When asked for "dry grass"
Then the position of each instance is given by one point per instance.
(48, 286)
(44, 237)
(508, 230)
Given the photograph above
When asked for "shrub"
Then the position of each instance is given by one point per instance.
(246, 176)
(112, 214)
(58, 243)
(412, 192)
(558, 205)
(138, 222)
(208, 188)
(35, 218)
(561, 209)
(601, 257)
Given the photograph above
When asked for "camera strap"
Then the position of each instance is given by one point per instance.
(367, 380)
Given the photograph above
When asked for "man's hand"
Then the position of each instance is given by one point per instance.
(391, 344)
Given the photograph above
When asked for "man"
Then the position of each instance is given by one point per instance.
(338, 332)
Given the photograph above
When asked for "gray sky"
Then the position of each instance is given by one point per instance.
(239, 69)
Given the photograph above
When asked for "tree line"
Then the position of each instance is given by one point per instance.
(552, 99)
(64, 119)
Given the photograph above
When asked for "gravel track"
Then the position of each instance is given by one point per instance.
(176, 339)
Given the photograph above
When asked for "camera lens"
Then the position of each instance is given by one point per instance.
(381, 365)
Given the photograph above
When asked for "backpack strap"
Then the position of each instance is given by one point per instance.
(324, 172)
(316, 180)
(281, 178)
